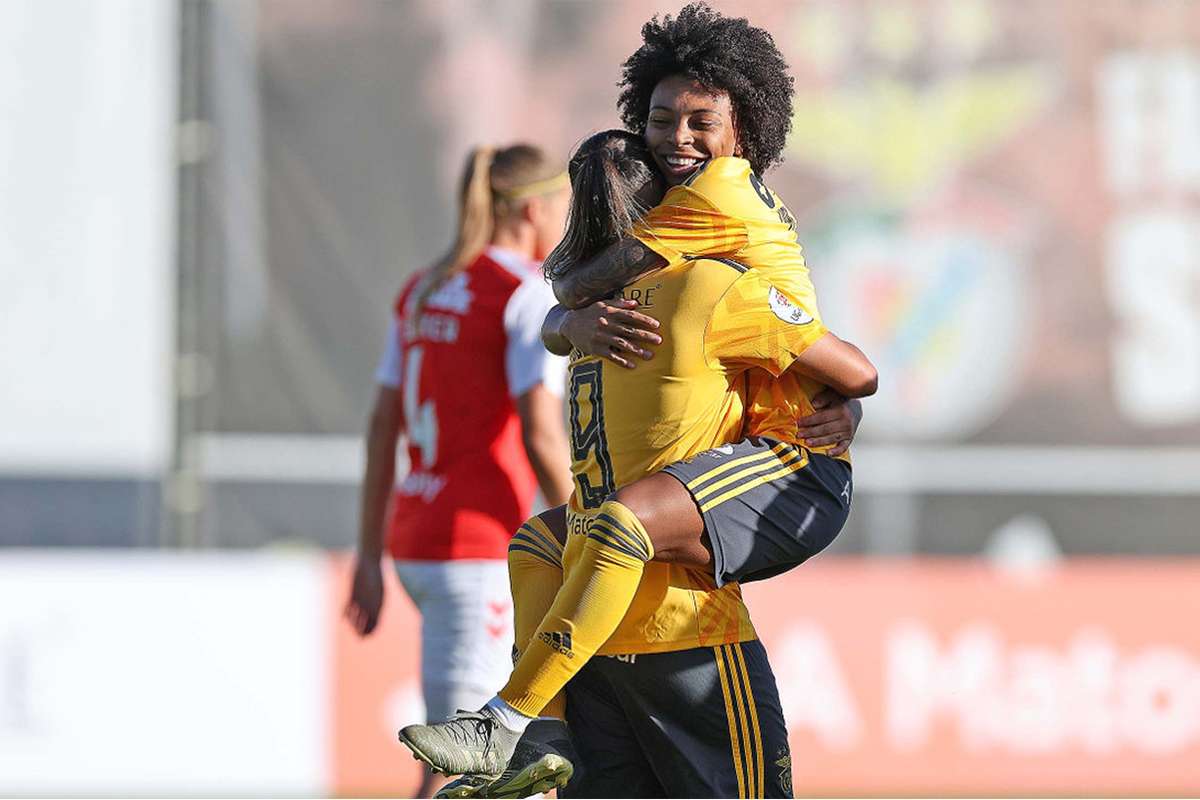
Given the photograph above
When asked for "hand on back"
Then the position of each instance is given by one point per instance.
(612, 329)
(833, 422)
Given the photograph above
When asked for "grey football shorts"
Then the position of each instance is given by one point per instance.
(767, 505)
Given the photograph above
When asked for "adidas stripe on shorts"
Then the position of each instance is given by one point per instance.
(767, 505)
(704, 722)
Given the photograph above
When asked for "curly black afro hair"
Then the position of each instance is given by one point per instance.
(720, 53)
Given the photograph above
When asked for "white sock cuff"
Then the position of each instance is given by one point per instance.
(508, 716)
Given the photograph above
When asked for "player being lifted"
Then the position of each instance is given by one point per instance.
(712, 97)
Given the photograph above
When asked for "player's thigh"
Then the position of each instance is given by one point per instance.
(767, 506)
(670, 518)
(555, 519)
(709, 720)
(610, 761)
(466, 630)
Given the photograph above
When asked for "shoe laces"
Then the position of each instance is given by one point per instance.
(468, 727)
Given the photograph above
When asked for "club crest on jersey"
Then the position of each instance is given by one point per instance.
(786, 310)
(453, 295)
(784, 762)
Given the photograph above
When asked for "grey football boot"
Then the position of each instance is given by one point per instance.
(541, 761)
(470, 742)
(466, 786)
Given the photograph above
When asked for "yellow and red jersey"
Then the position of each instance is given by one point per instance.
(724, 210)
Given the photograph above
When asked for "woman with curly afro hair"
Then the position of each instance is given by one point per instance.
(712, 97)
(725, 58)
(702, 87)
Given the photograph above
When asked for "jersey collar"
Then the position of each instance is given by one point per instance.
(515, 263)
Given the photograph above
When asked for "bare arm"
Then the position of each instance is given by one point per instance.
(607, 328)
(839, 365)
(383, 432)
(545, 439)
(618, 265)
(552, 336)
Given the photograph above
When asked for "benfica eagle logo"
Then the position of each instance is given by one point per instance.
(784, 762)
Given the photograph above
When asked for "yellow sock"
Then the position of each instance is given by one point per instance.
(598, 589)
(535, 575)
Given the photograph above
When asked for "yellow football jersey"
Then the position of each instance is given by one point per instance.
(720, 321)
(724, 210)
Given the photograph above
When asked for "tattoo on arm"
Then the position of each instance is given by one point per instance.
(617, 266)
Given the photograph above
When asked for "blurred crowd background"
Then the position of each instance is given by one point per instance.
(206, 209)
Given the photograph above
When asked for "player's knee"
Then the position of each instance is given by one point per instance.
(516, 556)
(640, 502)
(621, 526)
(534, 543)
(555, 522)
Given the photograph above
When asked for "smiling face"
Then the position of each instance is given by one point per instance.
(687, 125)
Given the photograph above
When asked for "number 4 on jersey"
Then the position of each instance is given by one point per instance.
(420, 418)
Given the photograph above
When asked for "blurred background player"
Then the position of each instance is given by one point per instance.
(465, 377)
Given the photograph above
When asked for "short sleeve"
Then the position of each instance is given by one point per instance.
(526, 361)
(754, 324)
(697, 219)
(388, 373)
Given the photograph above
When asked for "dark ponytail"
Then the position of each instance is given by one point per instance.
(607, 172)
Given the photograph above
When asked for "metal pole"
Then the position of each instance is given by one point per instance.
(191, 374)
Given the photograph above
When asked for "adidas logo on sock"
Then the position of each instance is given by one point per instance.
(560, 642)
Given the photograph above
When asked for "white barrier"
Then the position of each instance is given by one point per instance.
(156, 673)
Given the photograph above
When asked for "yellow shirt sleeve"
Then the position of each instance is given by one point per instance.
(697, 219)
(754, 324)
